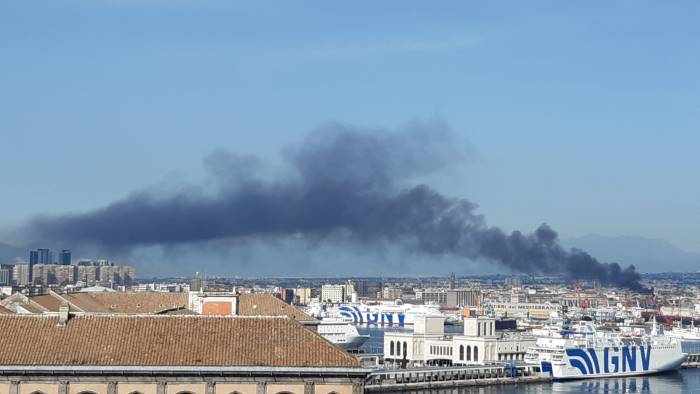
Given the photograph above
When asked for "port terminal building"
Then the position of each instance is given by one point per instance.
(428, 345)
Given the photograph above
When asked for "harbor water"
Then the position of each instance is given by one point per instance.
(681, 381)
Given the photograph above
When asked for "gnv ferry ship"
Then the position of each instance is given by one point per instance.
(383, 313)
(592, 354)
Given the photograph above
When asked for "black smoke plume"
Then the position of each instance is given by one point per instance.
(342, 182)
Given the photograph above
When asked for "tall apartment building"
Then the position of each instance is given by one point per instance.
(86, 274)
(65, 257)
(392, 293)
(369, 288)
(450, 298)
(302, 295)
(45, 256)
(333, 293)
(5, 274)
(53, 274)
(21, 273)
(116, 274)
(33, 257)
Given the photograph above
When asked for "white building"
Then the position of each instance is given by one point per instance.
(333, 293)
(428, 344)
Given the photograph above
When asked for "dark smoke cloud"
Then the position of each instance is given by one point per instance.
(342, 182)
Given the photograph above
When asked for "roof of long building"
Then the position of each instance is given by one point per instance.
(265, 304)
(108, 302)
(153, 340)
(250, 304)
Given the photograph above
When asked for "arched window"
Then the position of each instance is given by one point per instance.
(469, 353)
(391, 348)
(135, 392)
(38, 392)
(476, 353)
(398, 348)
(461, 352)
(87, 392)
(405, 349)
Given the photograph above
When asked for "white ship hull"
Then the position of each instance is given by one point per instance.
(379, 314)
(584, 363)
(342, 333)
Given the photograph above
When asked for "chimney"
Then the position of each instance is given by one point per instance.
(63, 314)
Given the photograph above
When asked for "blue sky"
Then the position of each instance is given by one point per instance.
(581, 115)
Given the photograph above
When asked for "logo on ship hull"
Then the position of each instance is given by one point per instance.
(614, 359)
(354, 313)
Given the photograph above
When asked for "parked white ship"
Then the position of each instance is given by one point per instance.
(589, 353)
(382, 313)
(342, 333)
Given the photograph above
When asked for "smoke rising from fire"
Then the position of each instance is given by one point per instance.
(343, 183)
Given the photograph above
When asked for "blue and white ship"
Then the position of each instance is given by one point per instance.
(381, 313)
(591, 354)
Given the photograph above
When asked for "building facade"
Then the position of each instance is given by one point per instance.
(428, 344)
(333, 293)
(451, 298)
(171, 355)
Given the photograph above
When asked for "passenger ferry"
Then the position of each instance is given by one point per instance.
(341, 333)
(588, 353)
(381, 313)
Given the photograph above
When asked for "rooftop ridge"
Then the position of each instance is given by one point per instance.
(139, 315)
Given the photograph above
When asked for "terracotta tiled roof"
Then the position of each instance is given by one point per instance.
(47, 301)
(264, 304)
(4, 310)
(116, 302)
(153, 340)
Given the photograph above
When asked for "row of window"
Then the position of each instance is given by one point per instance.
(398, 348)
(441, 350)
(469, 353)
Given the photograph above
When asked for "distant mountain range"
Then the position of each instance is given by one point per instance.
(647, 254)
(9, 253)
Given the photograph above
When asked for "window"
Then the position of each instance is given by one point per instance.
(391, 348)
(469, 353)
(405, 349)
(398, 348)
(476, 353)
(461, 352)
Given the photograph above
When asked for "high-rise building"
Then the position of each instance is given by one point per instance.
(45, 256)
(302, 295)
(33, 257)
(369, 288)
(65, 257)
(450, 298)
(5, 274)
(87, 275)
(21, 274)
(333, 293)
